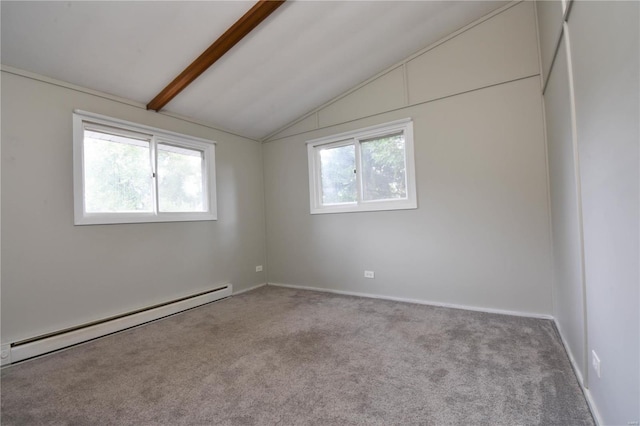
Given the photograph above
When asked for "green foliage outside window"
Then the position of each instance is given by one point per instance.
(383, 168)
(180, 186)
(117, 175)
(338, 167)
(382, 174)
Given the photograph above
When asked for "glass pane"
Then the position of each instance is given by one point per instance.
(117, 174)
(383, 168)
(180, 179)
(338, 176)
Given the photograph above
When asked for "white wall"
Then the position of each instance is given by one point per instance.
(57, 275)
(480, 237)
(568, 289)
(603, 40)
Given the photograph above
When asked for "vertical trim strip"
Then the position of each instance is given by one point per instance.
(405, 84)
(546, 164)
(576, 171)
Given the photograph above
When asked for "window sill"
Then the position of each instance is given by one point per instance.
(370, 206)
(119, 218)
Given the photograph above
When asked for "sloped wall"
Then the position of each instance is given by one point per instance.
(480, 236)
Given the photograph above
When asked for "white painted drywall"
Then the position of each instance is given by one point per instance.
(568, 288)
(478, 55)
(605, 53)
(300, 126)
(57, 275)
(501, 49)
(601, 39)
(383, 94)
(480, 235)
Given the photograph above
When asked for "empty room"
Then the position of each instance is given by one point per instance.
(320, 212)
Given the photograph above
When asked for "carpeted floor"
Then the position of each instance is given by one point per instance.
(282, 356)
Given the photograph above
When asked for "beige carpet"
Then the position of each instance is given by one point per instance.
(282, 356)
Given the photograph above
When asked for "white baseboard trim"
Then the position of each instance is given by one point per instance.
(249, 289)
(417, 301)
(587, 394)
(20, 351)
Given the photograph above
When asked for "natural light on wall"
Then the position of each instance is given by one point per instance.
(129, 173)
(364, 170)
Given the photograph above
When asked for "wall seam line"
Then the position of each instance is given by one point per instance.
(420, 52)
(410, 106)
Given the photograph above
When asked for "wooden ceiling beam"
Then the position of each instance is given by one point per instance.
(258, 13)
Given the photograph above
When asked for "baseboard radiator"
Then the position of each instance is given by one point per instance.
(25, 349)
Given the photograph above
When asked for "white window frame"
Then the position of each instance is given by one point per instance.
(355, 138)
(83, 119)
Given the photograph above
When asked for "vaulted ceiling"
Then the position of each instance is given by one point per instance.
(300, 57)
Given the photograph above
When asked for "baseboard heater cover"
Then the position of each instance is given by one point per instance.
(30, 348)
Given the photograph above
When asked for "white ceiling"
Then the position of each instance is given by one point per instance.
(303, 55)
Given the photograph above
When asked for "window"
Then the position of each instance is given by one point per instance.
(129, 173)
(364, 170)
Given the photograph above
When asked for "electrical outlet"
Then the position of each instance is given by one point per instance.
(595, 362)
(369, 274)
(259, 268)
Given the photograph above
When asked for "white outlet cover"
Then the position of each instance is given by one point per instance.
(259, 268)
(369, 274)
